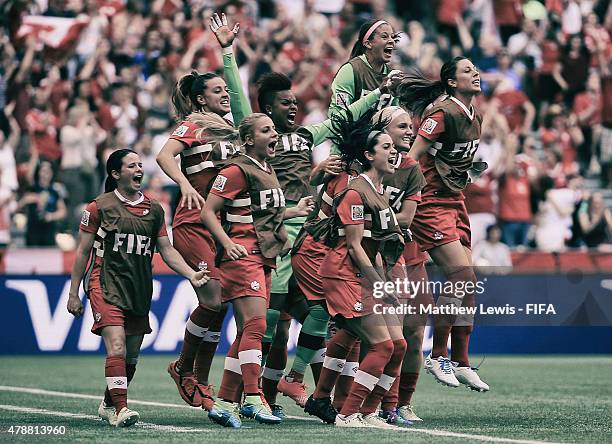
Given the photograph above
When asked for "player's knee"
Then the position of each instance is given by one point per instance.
(254, 328)
(399, 349)
(282, 333)
(384, 349)
(116, 347)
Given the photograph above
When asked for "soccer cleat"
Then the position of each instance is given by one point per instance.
(394, 418)
(277, 410)
(256, 407)
(126, 418)
(469, 377)
(186, 385)
(354, 420)
(441, 369)
(322, 409)
(295, 390)
(225, 413)
(207, 395)
(376, 421)
(407, 413)
(107, 413)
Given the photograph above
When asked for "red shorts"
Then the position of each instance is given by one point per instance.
(439, 223)
(197, 246)
(106, 315)
(306, 272)
(243, 278)
(347, 298)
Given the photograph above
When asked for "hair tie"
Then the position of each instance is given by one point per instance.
(372, 135)
(371, 30)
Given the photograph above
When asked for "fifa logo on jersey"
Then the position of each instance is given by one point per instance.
(466, 149)
(387, 216)
(274, 196)
(133, 243)
(395, 197)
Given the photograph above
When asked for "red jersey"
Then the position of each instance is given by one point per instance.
(200, 163)
(511, 106)
(231, 185)
(514, 199)
(479, 196)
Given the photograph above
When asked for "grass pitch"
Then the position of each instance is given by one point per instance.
(534, 398)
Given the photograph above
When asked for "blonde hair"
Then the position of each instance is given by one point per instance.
(246, 127)
(212, 126)
(388, 114)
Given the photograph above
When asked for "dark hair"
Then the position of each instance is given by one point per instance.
(268, 85)
(39, 166)
(355, 137)
(491, 228)
(358, 48)
(415, 91)
(114, 163)
(186, 92)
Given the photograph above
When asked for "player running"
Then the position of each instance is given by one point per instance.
(251, 233)
(446, 144)
(120, 230)
(201, 101)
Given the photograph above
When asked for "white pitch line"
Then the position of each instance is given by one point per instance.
(35, 391)
(144, 425)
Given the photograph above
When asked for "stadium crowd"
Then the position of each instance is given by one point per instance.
(546, 67)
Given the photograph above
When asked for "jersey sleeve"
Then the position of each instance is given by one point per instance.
(230, 182)
(343, 90)
(416, 182)
(186, 134)
(90, 218)
(162, 226)
(239, 103)
(432, 126)
(351, 209)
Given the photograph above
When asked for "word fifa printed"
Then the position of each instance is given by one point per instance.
(428, 309)
(274, 196)
(133, 243)
(410, 288)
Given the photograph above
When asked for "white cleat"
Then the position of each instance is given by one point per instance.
(374, 420)
(126, 418)
(469, 377)
(407, 413)
(107, 413)
(441, 369)
(354, 420)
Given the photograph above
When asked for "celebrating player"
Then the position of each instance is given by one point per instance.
(201, 101)
(252, 235)
(120, 230)
(446, 143)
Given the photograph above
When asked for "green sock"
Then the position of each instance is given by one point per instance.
(313, 332)
(272, 317)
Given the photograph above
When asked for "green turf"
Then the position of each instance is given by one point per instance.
(559, 398)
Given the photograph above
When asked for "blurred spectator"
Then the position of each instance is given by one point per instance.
(44, 206)
(572, 70)
(42, 127)
(595, 222)
(508, 15)
(492, 256)
(587, 108)
(480, 206)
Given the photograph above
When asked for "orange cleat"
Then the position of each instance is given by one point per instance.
(294, 390)
(187, 386)
(207, 395)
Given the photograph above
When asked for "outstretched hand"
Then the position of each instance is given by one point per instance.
(225, 35)
(199, 278)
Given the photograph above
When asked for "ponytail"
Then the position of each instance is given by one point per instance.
(186, 92)
(114, 163)
(212, 126)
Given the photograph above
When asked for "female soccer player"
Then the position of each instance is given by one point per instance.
(201, 101)
(367, 67)
(120, 230)
(446, 143)
(369, 243)
(251, 233)
(293, 165)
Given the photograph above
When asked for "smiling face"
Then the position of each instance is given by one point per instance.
(283, 110)
(381, 44)
(467, 78)
(400, 130)
(384, 156)
(216, 97)
(261, 142)
(129, 179)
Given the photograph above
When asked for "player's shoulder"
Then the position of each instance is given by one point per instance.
(185, 129)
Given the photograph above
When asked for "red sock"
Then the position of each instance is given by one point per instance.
(338, 349)
(273, 371)
(386, 381)
(208, 347)
(460, 341)
(249, 353)
(116, 381)
(370, 370)
(197, 326)
(345, 381)
(130, 370)
(231, 382)
(316, 365)
(407, 385)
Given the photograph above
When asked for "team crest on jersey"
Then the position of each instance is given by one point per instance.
(357, 212)
(358, 306)
(429, 125)
(203, 266)
(180, 131)
(255, 285)
(219, 183)
(438, 236)
(85, 218)
(98, 316)
(342, 98)
(145, 212)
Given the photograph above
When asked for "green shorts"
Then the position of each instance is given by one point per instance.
(283, 272)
